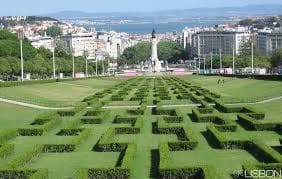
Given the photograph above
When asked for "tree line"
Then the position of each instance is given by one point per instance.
(38, 62)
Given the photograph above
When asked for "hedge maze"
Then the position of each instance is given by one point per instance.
(161, 127)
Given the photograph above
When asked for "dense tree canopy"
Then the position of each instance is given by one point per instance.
(54, 31)
(167, 51)
(276, 58)
(38, 62)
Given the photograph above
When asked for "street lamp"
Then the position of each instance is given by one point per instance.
(211, 62)
(220, 59)
(252, 54)
(72, 53)
(21, 37)
(54, 66)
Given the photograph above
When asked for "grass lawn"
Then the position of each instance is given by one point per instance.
(145, 163)
(57, 94)
(239, 90)
(13, 116)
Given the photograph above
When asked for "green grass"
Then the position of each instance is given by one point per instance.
(64, 165)
(57, 94)
(13, 116)
(239, 90)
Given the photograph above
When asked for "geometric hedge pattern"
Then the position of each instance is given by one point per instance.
(161, 127)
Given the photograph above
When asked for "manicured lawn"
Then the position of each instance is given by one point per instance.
(57, 94)
(147, 137)
(239, 90)
(13, 116)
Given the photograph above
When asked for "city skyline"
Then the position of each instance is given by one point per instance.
(32, 7)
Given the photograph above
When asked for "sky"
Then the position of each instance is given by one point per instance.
(39, 7)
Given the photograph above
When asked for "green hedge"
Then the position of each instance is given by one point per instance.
(122, 171)
(32, 82)
(84, 133)
(69, 132)
(263, 152)
(71, 112)
(7, 135)
(58, 148)
(253, 124)
(45, 118)
(25, 157)
(45, 122)
(187, 139)
(258, 149)
(31, 132)
(116, 173)
(6, 150)
(28, 174)
(91, 120)
(168, 170)
(105, 143)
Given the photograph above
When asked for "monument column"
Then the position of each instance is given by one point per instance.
(156, 64)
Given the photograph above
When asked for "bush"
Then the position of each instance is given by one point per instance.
(30, 132)
(45, 118)
(91, 120)
(71, 112)
(12, 173)
(252, 124)
(6, 150)
(263, 152)
(117, 173)
(20, 160)
(7, 135)
(58, 148)
(69, 132)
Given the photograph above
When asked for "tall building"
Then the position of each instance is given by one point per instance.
(216, 42)
(268, 41)
(81, 44)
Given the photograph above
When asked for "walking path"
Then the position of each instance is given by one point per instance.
(31, 105)
(111, 107)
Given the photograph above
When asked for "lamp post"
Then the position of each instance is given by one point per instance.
(54, 65)
(220, 59)
(204, 64)
(233, 60)
(252, 54)
(72, 53)
(21, 37)
(211, 62)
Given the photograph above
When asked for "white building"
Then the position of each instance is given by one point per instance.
(81, 44)
(205, 41)
(114, 43)
(45, 42)
(269, 40)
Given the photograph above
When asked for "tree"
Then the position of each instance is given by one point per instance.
(54, 31)
(276, 58)
(167, 51)
(5, 68)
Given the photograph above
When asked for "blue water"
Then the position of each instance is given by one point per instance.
(160, 28)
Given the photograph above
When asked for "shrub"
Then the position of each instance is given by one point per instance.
(69, 132)
(7, 135)
(45, 118)
(20, 160)
(6, 150)
(252, 124)
(58, 148)
(31, 132)
(91, 120)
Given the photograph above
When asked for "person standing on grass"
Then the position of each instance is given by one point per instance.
(218, 81)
